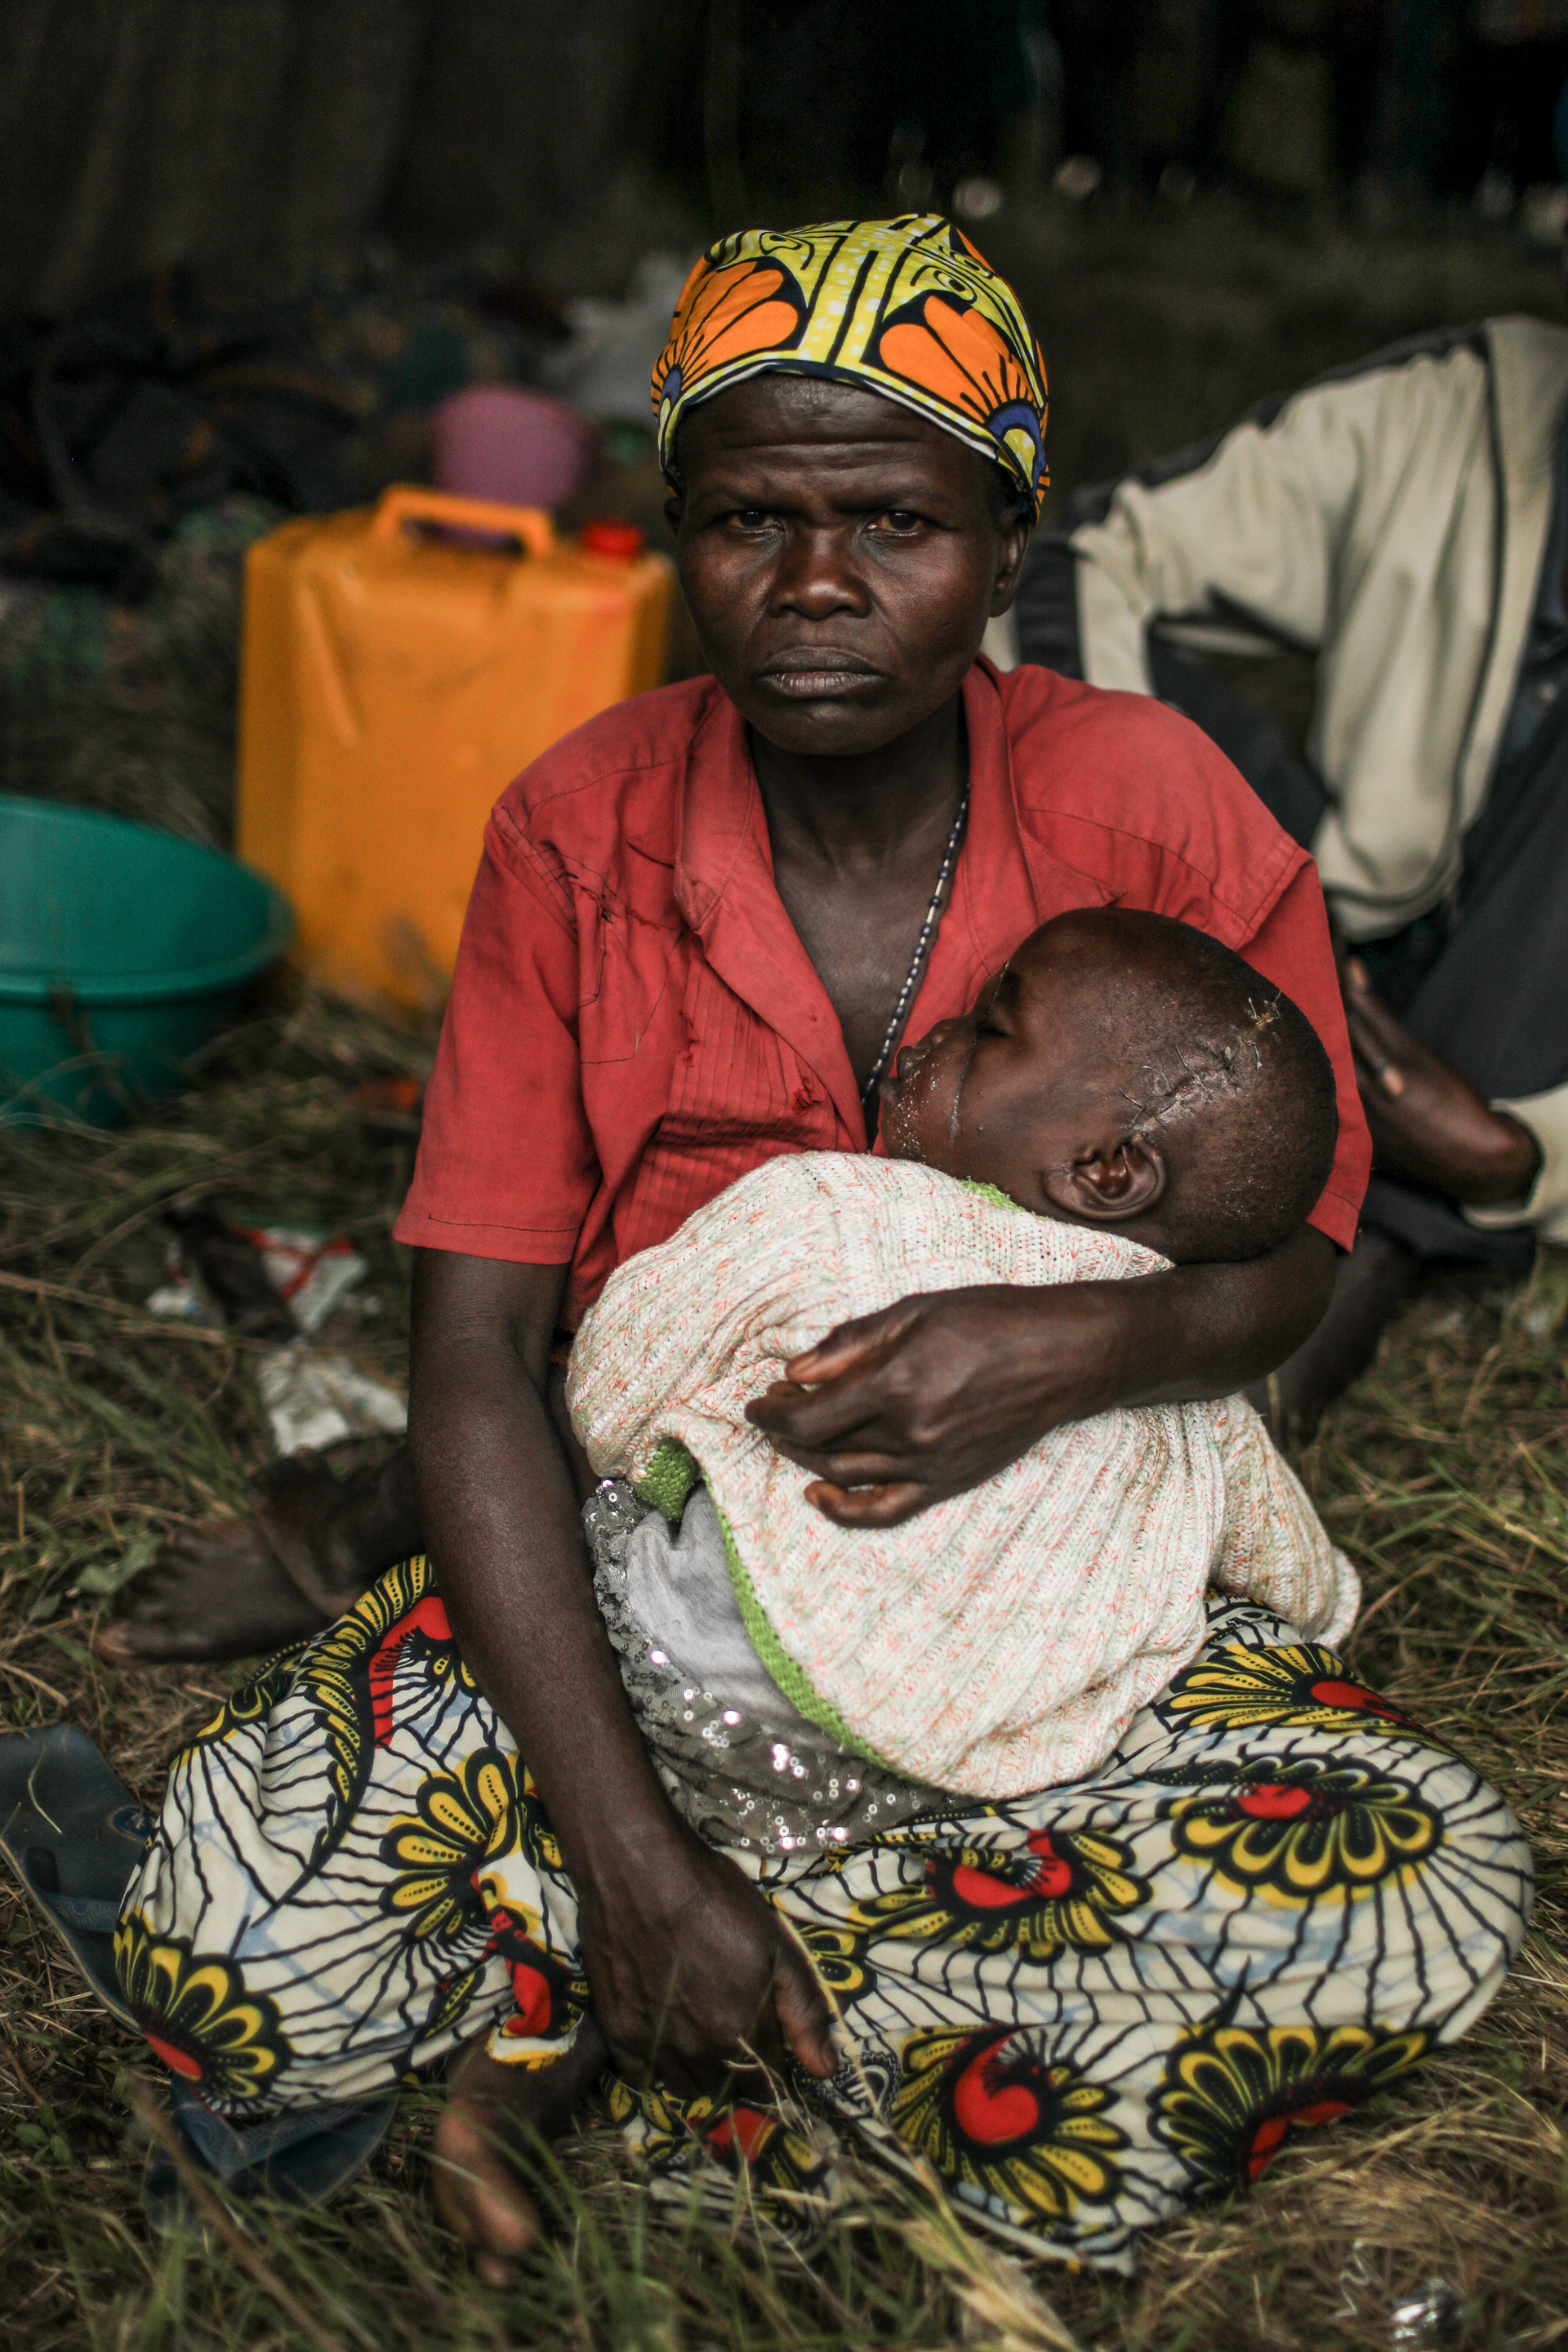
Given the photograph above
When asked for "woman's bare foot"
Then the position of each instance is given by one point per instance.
(212, 1594)
(1368, 1286)
(309, 1548)
(492, 2112)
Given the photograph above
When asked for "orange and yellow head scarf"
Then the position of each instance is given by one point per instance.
(906, 307)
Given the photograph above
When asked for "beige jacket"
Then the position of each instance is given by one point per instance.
(1391, 519)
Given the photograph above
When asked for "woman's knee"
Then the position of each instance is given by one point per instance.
(1397, 1901)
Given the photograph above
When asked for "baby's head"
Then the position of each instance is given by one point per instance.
(1125, 1069)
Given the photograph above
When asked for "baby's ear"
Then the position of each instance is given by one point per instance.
(1106, 1186)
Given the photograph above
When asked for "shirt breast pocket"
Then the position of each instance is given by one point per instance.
(735, 1080)
(738, 1096)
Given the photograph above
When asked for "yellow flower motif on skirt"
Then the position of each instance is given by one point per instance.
(1059, 1891)
(349, 1675)
(838, 1955)
(197, 2017)
(253, 1699)
(1305, 1829)
(1303, 1687)
(660, 2111)
(539, 1842)
(993, 2113)
(1231, 2097)
(468, 1821)
(673, 2137)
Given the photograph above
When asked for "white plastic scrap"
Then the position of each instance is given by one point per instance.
(312, 1271)
(180, 1297)
(317, 1401)
(1435, 2317)
(604, 369)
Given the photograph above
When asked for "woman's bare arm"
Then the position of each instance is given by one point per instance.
(684, 1962)
(943, 1389)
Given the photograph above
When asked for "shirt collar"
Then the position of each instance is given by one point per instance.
(724, 887)
(1006, 882)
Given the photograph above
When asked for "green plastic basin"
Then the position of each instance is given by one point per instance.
(122, 950)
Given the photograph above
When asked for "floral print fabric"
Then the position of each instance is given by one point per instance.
(1086, 2009)
(905, 308)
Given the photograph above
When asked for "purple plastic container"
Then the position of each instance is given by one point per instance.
(517, 448)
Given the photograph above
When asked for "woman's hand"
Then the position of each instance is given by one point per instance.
(693, 1979)
(894, 1411)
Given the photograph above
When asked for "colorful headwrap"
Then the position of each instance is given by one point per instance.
(906, 307)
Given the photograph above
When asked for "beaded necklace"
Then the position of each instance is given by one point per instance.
(917, 965)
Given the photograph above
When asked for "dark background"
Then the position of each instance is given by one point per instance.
(370, 203)
(273, 138)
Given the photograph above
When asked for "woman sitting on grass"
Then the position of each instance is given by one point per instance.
(701, 926)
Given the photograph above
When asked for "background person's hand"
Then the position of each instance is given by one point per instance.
(693, 1979)
(895, 1411)
(1429, 1125)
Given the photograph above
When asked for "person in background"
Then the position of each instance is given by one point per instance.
(1406, 522)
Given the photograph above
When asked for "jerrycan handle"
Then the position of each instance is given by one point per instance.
(410, 502)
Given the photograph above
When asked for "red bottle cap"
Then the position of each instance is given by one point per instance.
(621, 542)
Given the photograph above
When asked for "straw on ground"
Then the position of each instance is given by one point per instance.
(1445, 1475)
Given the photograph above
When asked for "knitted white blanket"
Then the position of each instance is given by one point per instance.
(1003, 1638)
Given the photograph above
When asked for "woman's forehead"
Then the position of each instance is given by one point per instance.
(804, 421)
(777, 406)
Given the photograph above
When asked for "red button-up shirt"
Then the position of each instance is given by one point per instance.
(634, 1023)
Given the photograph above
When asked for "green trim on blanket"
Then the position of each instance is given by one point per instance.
(667, 1486)
(668, 1479)
(790, 1677)
(997, 1200)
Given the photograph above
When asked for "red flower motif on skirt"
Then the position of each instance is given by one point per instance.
(1232, 2097)
(994, 2114)
(1300, 1686)
(1302, 1828)
(1060, 1889)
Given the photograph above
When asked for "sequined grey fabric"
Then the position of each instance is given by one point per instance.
(763, 1781)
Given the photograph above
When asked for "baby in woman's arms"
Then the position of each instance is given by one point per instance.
(1127, 1093)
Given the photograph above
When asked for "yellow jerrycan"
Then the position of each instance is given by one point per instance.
(393, 684)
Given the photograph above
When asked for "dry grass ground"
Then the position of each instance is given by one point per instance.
(1445, 1475)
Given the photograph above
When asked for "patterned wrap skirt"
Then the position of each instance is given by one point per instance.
(1084, 2010)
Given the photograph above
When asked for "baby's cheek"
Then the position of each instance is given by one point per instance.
(900, 1137)
(915, 1125)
